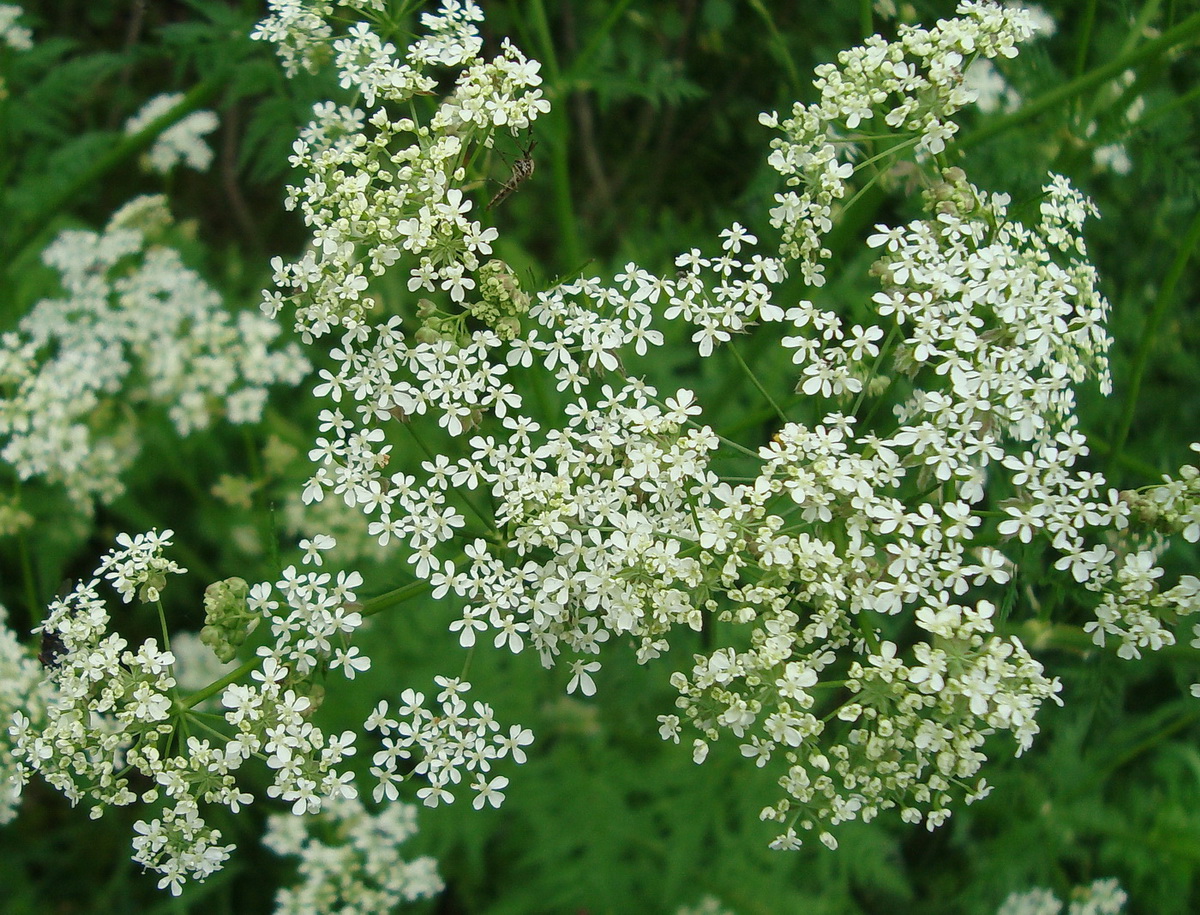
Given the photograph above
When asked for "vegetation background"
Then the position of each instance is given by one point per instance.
(653, 144)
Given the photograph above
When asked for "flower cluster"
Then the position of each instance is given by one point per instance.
(1173, 506)
(17, 37)
(991, 91)
(598, 519)
(445, 742)
(136, 327)
(1169, 508)
(854, 576)
(182, 142)
(399, 167)
(113, 712)
(914, 85)
(116, 712)
(1101, 897)
(110, 716)
(20, 690)
(350, 860)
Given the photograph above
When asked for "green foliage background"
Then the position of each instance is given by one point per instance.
(652, 146)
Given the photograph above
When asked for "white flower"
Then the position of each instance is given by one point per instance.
(364, 861)
(490, 792)
(581, 678)
(180, 142)
(15, 36)
(133, 325)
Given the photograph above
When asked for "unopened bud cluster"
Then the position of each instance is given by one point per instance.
(227, 617)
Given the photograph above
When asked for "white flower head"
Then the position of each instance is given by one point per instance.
(182, 142)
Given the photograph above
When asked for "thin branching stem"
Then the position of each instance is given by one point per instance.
(757, 384)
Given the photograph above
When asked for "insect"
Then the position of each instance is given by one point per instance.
(52, 649)
(522, 170)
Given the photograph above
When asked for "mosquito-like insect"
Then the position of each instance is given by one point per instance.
(522, 169)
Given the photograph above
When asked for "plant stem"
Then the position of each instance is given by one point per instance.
(1084, 42)
(213, 688)
(1138, 749)
(560, 166)
(369, 608)
(135, 517)
(758, 384)
(162, 622)
(866, 18)
(1181, 101)
(1041, 636)
(488, 525)
(884, 352)
(1185, 31)
(1149, 471)
(1166, 293)
(780, 45)
(392, 598)
(1136, 31)
(31, 589)
(584, 57)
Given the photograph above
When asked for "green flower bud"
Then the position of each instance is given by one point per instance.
(227, 617)
(499, 286)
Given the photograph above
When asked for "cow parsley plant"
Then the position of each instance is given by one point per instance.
(860, 570)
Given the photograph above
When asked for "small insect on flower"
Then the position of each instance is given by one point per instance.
(522, 170)
(52, 648)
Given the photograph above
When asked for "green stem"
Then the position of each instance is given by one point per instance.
(866, 18)
(748, 421)
(560, 166)
(369, 608)
(780, 45)
(1149, 471)
(1154, 114)
(195, 718)
(1055, 98)
(1158, 736)
(758, 384)
(1084, 42)
(1145, 15)
(1153, 844)
(884, 352)
(1166, 293)
(393, 598)
(137, 518)
(489, 525)
(581, 61)
(865, 423)
(1040, 636)
(213, 688)
(1137, 30)
(162, 622)
(467, 663)
(31, 590)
